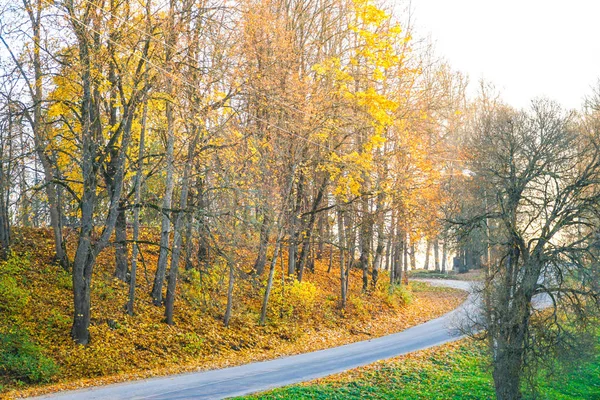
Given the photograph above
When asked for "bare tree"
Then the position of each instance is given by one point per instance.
(540, 171)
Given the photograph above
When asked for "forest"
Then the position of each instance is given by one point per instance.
(219, 157)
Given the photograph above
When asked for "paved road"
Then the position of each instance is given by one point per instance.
(260, 376)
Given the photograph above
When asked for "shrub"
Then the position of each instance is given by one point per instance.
(13, 297)
(402, 295)
(301, 298)
(22, 360)
(292, 300)
(397, 295)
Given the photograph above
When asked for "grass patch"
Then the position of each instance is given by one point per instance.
(457, 370)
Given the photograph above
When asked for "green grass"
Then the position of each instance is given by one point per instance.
(455, 371)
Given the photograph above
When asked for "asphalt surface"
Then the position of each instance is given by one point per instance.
(260, 376)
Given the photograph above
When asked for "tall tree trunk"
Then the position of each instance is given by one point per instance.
(342, 244)
(229, 307)
(165, 228)
(278, 244)
(508, 363)
(380, 241)
(427, 251)
(136, 210)
(397, 260)
(85, 254)
(40, 141)
(308, 229)
(405, 255)
(413, 256)
(82, 280)
(121, 253)
(109, 173)
(444, 256)
(323, 236)
(389, 251)
(177, 236)
(366, 234)
(436, 254)
(398, 252)
(4, 220)
(189, 241)
(265, 303)
(265, 227)
(203, 243)
(293, 228)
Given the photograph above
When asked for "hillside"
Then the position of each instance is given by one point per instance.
(302, 317)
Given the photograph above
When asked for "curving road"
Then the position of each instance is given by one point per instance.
(260, 376)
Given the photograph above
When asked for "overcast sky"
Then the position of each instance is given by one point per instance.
(527, 48)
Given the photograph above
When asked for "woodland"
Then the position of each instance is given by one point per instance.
(205, 172)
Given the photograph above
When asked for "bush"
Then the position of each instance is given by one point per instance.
(22, 360)
(301, 298)
(13, 297)
(401, 295)
(294, 300)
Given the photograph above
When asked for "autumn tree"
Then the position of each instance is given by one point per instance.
(99, 146)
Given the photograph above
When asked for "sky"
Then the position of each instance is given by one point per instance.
(526, 48)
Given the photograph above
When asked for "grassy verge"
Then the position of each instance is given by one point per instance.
(453, 371)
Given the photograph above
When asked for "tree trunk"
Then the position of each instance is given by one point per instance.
(82, 280)
(121, 253)
(342, 244)
(203, 243)
(176, 251)
(263, 310)
(427, 251)
(228, 308)
(293, 229)
(389, 252)
(40, 139)
(378, 260)
(323, 229)
(261, 259)
(436, 254)
(111, 170)
(397, 260)
(308, 229)
(405, 255)
(165, 229)
(136, 211)
(444, 256)
(4, 220)
(508, 363)
(189, 241)
(366, 234)
(278, 244)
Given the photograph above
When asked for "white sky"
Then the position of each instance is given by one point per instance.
(526, 48)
